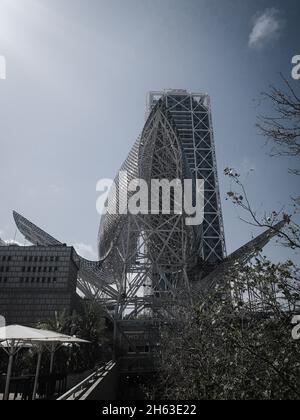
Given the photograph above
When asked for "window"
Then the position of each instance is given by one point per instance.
(25, 258)
(7, 269)
(23, 269)
(30, 259)
(57, 259)
(52, 259)
(28, 269)
(4, 258)
(9, 258)
(35, 259)
(21, 280)
(5, 279)
(34, 269)
(41, 259)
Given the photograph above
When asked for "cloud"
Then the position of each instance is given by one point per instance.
(267, 27)
(86, 251)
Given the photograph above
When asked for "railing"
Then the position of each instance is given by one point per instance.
(87, 386)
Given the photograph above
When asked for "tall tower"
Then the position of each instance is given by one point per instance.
(191, 114)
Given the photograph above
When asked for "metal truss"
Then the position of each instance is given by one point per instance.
(241, 256)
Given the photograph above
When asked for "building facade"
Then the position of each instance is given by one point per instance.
(36, 282)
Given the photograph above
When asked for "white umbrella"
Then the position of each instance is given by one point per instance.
(17, 336)
(13, 338)
(22, 334)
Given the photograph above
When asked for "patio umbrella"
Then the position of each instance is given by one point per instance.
(13, 338)
(17, 336)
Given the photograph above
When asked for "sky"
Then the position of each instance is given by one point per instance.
(73, 101)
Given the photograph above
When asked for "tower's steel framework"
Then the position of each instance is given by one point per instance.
(191, 114)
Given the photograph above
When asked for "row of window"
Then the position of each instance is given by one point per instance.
(41, 259)
(31, 258)
(27, 280)
(6, 258)
(38, 280)
(32, 269)
(39, 269)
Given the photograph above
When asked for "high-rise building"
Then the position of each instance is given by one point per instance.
(191, 115)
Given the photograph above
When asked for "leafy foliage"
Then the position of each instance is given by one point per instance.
(227, 347)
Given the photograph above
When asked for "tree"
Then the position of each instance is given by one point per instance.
(89, 325)
(289, 235)
(238, 348)
(281, 129)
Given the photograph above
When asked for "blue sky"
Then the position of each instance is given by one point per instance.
(74, 99)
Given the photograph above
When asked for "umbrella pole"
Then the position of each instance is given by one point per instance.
(52, 358)
(37, 374)
(9, 370)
